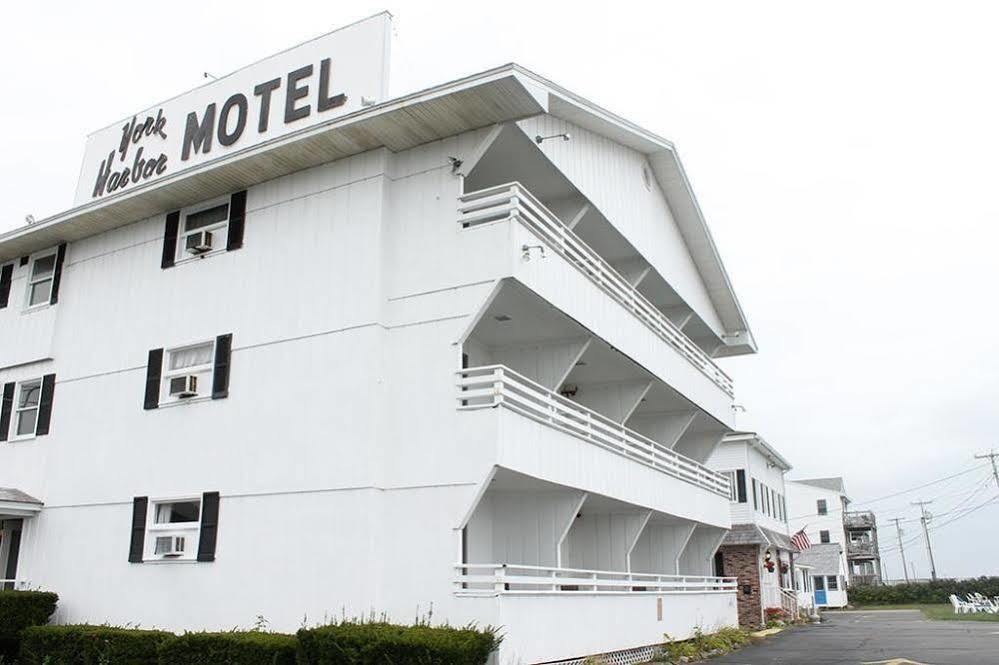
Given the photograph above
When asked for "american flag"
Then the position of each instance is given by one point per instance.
(800, 540)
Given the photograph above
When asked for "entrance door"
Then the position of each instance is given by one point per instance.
(820, 589)
(13, 533)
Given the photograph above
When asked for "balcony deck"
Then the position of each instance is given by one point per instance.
(512, 201)
(497, 385)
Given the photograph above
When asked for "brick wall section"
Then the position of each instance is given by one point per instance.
(742, 561)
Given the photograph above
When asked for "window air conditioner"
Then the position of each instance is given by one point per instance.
(169, 546)
(199, 243)
(183, 386)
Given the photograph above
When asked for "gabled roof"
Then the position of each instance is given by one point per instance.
(497, 95)
(822, 558)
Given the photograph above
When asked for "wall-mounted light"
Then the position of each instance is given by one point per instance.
(738, 408)
(565, 136)
(527, 249)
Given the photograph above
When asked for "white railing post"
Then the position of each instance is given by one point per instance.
(498, 386)
(499, 579)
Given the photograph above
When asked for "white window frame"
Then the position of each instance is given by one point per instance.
(204, 372)
(31, 282)
(17, 410)
(181, 255)
(191, 531)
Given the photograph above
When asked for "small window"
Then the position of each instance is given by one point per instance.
(756, 505)
(823, 509)
(183, 364)
(40, 280)
(824, 536)
(26, 418)
(213, 221)
(832, 582)
(175, 529)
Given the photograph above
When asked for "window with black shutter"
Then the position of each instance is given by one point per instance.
(740, 481)
(205, 229)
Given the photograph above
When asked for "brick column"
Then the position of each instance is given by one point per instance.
(742, 561)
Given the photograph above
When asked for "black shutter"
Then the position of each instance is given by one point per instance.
(57, 275)
(237, 220)
(45, 405)
(139, 505)
(6, 277)
(24, 260)
(170, 239)
(220, 378)
(756, 505)
(740, 482)
(5, 408)
(209, 526)
(154, 370)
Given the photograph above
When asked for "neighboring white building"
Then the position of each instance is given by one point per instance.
(427, 361)
(758, 549)
(817, 505)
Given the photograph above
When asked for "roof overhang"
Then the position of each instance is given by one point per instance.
(498, 95)
(756, 441)
(15, 503)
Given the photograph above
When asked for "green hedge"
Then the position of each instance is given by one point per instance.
(90, 645)
(922, 592)
(379, 643)
(234, 648)
(18, 610)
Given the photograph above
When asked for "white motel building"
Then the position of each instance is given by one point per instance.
(306, 351)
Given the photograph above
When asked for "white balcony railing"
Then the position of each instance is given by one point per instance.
(13, 585)
(497, 385)
(514, 201)
(493, 578)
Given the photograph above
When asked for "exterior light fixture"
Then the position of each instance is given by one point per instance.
(565, 136)
(526, 249)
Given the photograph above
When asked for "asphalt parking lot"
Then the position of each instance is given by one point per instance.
(896, 637)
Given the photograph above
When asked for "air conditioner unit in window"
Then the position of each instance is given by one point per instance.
(184, 386)
(199, 243)
(169, 546)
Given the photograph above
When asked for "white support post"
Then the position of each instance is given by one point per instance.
(686, 541)
(634, 541)
(568, 526)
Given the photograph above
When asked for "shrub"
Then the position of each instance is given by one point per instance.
(18, 610)
(701, 646)
(937, 591)
(352, 643)
(90, 645)
(233, 648)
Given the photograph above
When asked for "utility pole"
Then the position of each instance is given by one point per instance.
(926, 534)
(901, 549)
(991, 456)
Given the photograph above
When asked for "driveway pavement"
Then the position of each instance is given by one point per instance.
(893, 637)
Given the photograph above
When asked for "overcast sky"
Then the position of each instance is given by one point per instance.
(845, 157)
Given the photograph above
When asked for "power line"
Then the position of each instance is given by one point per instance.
(900, 493)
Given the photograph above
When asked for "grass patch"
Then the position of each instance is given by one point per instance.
(934, 611)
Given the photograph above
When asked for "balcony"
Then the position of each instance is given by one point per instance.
(861, 519)
(861, 549)
(513, 202)
(499, 386)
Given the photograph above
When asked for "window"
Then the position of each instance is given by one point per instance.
(26, 417)
(40, 279)
(832, 582)
(823, 509)
(736, 485)
(860, 537)
(820, 583)
(824, 536)
(214, 220)
(174, 531)
(756, 505)
(188, 361)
